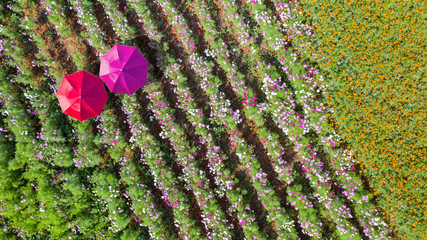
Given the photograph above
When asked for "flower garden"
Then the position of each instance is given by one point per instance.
(259, 120)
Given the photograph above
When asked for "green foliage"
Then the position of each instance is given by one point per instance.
(129, 235)
(122, 220)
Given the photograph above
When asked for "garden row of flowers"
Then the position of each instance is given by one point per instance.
(173, 188)
(38, 150)
(39, 183)
(236, 141)
(64, 155)
(112, 138)
(275, 149)
(146, 210)
(222, 179)
(90, 141)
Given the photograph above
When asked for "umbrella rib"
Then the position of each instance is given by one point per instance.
(130, 76)
(93, 111)
(67, 81)
(137, 66)
(123, 82)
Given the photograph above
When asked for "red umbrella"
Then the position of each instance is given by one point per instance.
(123, 69)
(82, 95)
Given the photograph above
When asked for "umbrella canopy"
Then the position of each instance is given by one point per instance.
(123, 69)
(82, 95)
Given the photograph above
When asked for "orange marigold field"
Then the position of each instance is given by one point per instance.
(373, 56)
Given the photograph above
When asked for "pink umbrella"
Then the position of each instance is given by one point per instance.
(82, 95)
(123, 69)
